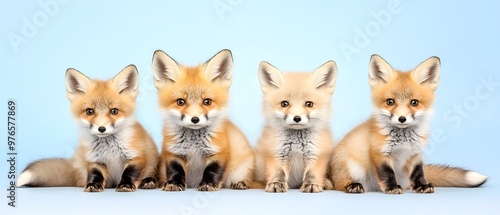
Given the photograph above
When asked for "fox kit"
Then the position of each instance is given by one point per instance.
(385, 152)
(295, 145)
(114, 150)
(201, 147)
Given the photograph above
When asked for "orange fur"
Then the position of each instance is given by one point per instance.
(227, 146)
(386, 152)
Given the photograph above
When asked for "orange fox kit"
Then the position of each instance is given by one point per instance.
(201, 147)
(114, 150)
(295, 145)
(385, 152)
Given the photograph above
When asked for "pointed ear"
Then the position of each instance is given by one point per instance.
(165, 69)
(76, 83)
(127, 81)
(324, 77)
(270, 76)
(427, 72)
(219, 68)
(380, 72)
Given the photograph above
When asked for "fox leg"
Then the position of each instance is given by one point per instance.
(176, 175)
(343, 181)
(131, 175)
(314, 174)
(277, 173)
(96, 178)
(417, 179)
(213, 174)
(387, 179)
(242, 173)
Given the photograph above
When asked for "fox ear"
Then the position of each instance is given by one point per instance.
(270, 76)
(76, 83)
(127, 81)
(219, 67)
(427, 72)
(165, 69)
(324, 77)
(380, 72)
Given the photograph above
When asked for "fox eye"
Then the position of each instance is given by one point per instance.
(181, 102)
(390, 102)
(284, 104)
(114, 111)
(89, 111)
(207, 102)
(414, 102)
(309, 104)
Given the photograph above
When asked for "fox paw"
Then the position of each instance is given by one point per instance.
(428, 188)
(311, 188)
(394, 190)
(276, 187)
(93, 187)
(204, 186)
(125, 188)
(239, 186)
(355, 188)
(148, 183)
(173, 187)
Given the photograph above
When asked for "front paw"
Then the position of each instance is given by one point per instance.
(276, 187)
(394, 190)
(125, 188)
(355, 188)
(169, 186)
(148, 183)
(239, 186)
(311, 188)
(93, 187)
(204, 186)
(428, 188)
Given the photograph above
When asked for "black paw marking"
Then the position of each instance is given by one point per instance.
(125, 188)
(428, 188)
(208, 187)
(173, 187)
(394, 190)
(355, 188)
(93, 187)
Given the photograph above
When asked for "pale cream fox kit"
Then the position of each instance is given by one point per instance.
(113, 150)
(386, 152)
(295, 146)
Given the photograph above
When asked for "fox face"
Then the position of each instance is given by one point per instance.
(403, 99)
(297, 100)
(102, 108)
(193, 97)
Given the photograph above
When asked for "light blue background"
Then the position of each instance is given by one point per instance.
(99, 38)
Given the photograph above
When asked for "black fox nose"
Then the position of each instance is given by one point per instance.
(402, 119)
(101, 129)
(195, 120)
(296, 119)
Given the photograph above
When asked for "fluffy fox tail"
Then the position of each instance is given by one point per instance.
(446, 176)
(52, 172)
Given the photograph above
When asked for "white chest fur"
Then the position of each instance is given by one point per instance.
(403, 143)
(113, 151)
(296, 146)
(195, 145)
